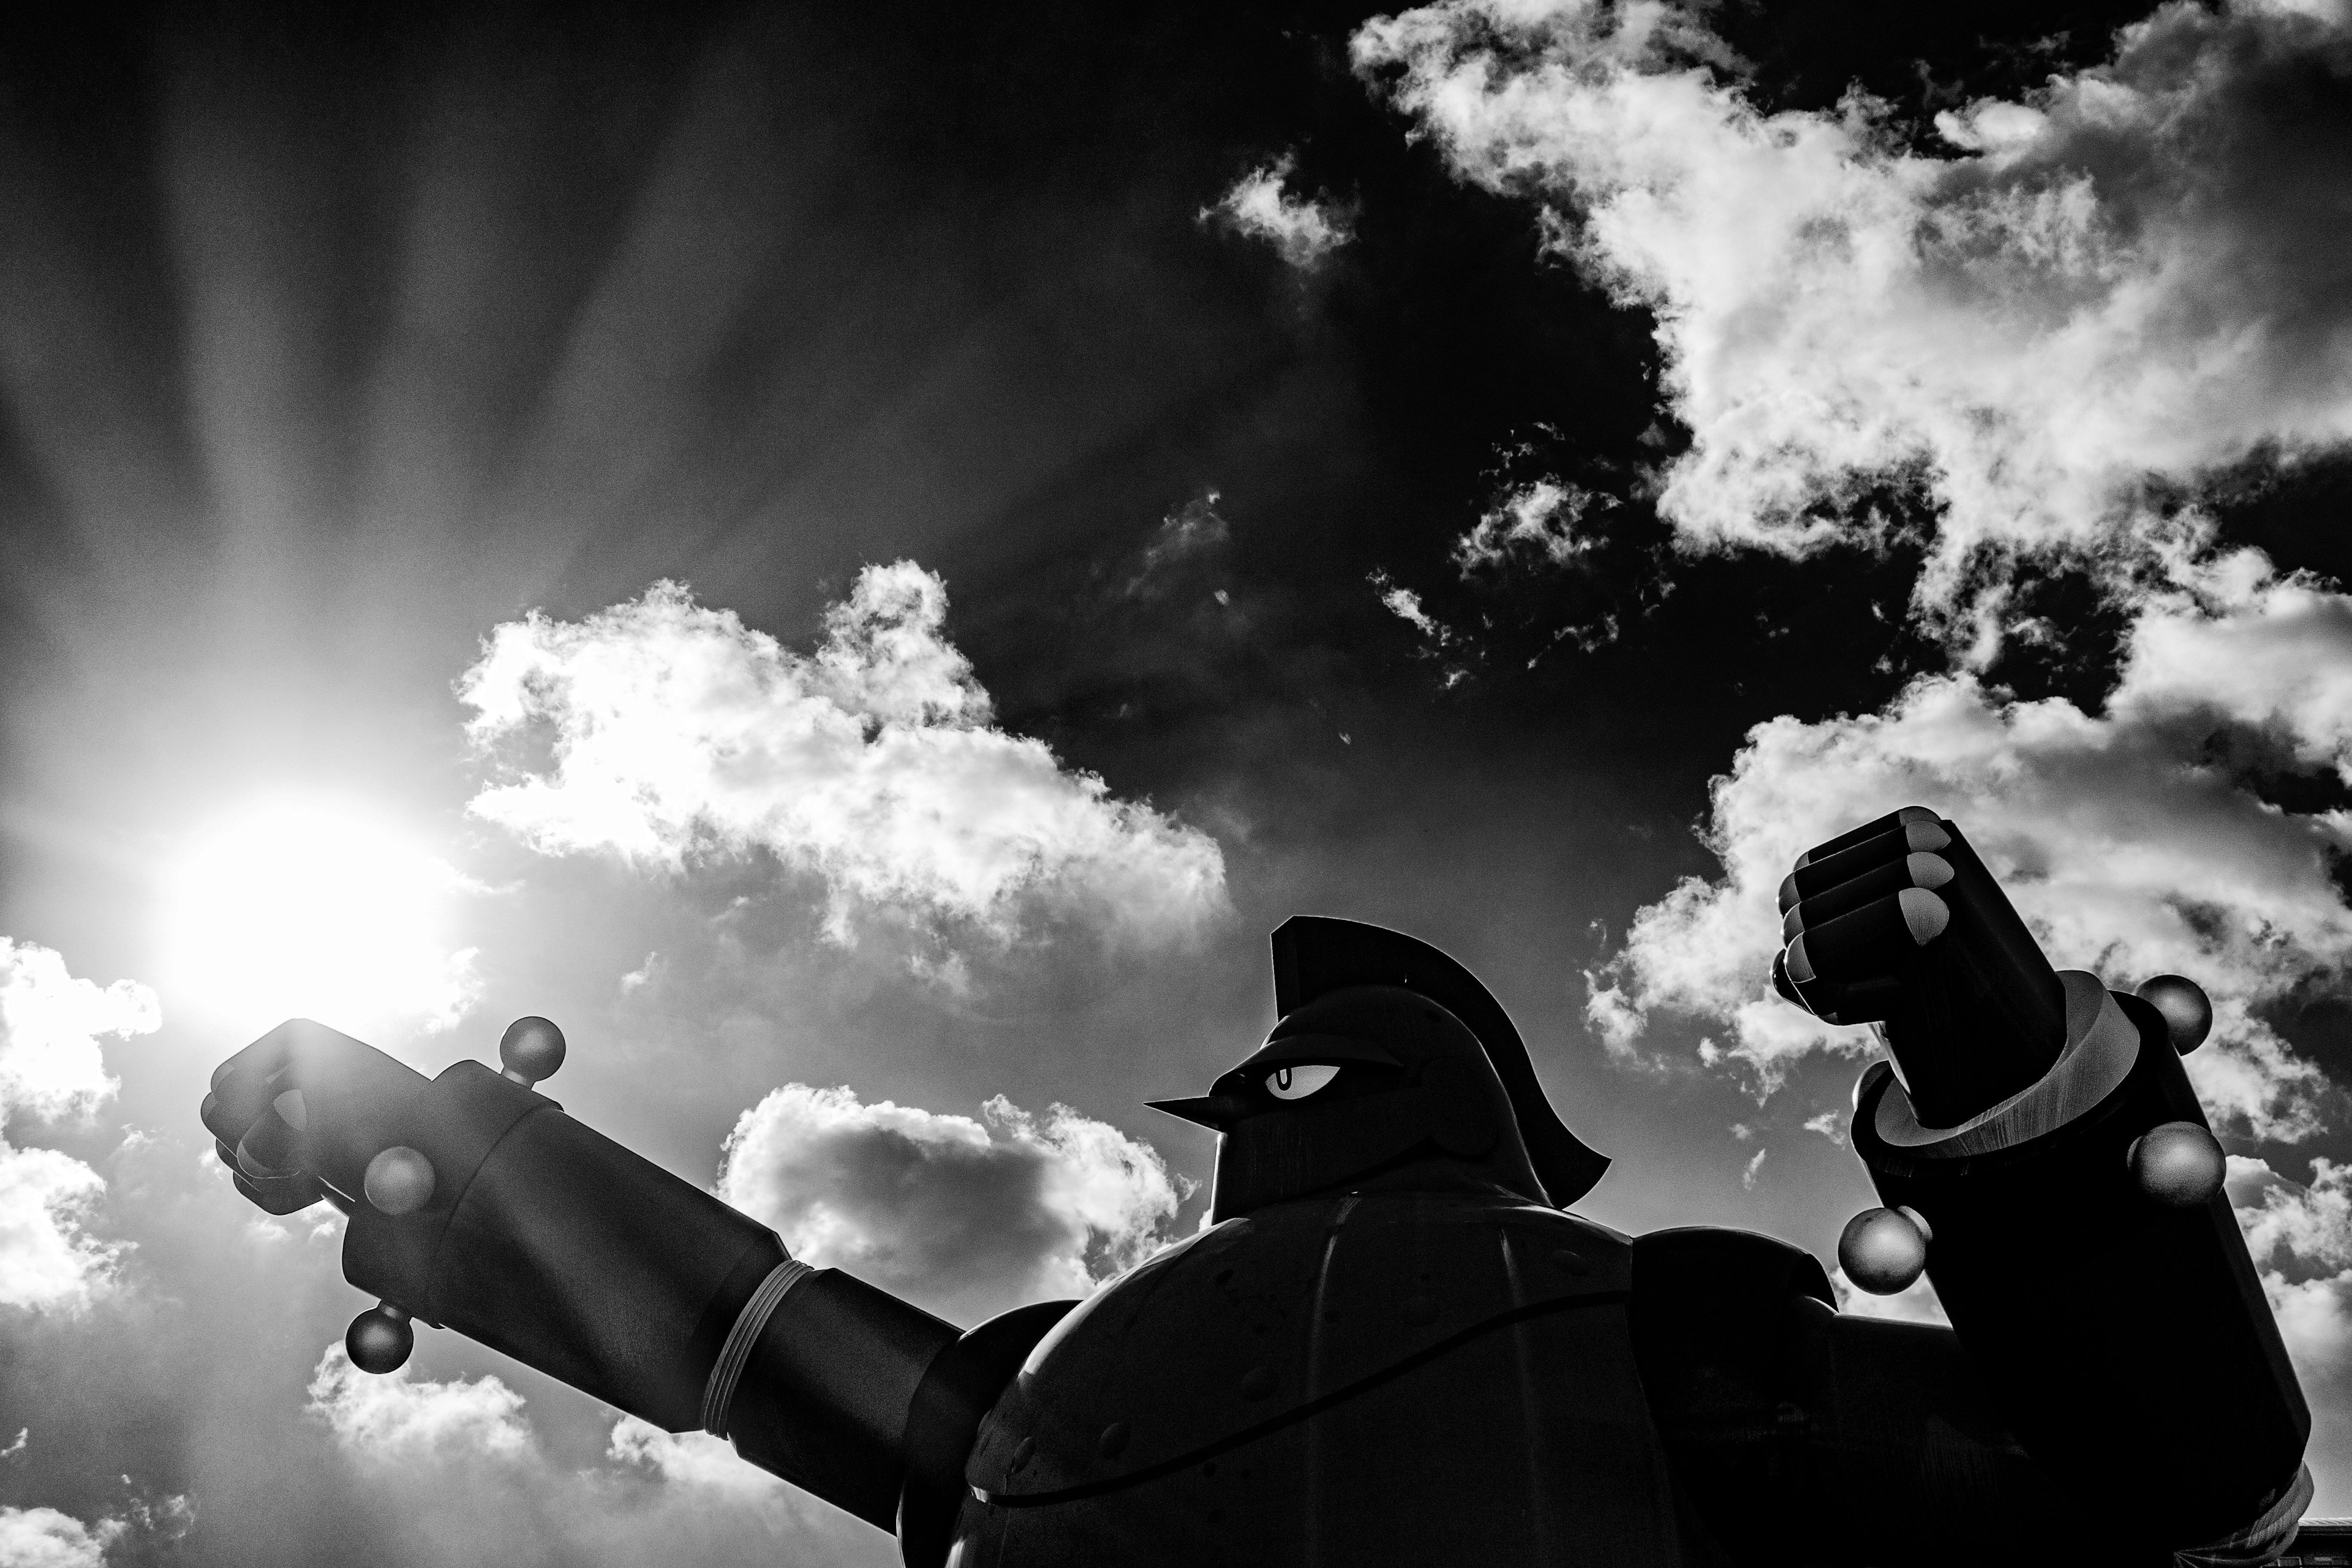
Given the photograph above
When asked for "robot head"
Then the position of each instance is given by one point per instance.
(1389, 1059)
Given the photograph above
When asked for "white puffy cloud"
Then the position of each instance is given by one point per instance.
(50, 1063)
(44, 1538)
(1259, 204)
(677, 732)
(2128, 839)
(47, 1261)
(397, 1417)
(2137, 271)
(970, 1216)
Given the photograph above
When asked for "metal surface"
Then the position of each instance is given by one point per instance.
(2128, 1343)
(1388, 1377)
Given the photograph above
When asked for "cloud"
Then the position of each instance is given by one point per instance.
(971, 1217)
(1540, 518)
(2301, 1240)
(450, 1472)
(50, 1064)
(2137, 272)
(1747, 1176)
(676, 733)
(1190, 532)
(1405, 606)
(44, 1538)
(1304, 230)
(693, 1460)
(2133, 840)
(397, 1417)
(638, 979)
(48, 1262)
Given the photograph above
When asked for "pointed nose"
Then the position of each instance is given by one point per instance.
(1210, 1111)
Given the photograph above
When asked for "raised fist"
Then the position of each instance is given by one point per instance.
(298, 1113)
(1898, 923)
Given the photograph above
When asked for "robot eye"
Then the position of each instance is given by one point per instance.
(1298, 1082)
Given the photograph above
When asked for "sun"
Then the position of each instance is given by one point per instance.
(309, 906)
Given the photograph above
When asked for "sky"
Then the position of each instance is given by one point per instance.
(861, 559)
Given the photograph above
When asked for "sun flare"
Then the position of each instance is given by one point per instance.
(310, 907)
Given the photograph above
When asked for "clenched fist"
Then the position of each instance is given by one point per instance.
(1898, 922)
(298, 1114)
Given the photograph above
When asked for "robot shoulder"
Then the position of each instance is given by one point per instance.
(1732, 1268)
(1721, 1315)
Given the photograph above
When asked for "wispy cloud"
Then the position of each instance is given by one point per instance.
(1405, 606)
(1540, 520)
(2134, 273)
(678, 734)
(1187, 533)
(1304, 229)
(973, 1216)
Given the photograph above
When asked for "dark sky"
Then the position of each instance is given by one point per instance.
(334, 341)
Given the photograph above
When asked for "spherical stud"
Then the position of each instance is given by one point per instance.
(2188, 1013)
(1882, 1251)
(399, 1180)
(2177, 1163)
(380, 1339)
(531, 1051)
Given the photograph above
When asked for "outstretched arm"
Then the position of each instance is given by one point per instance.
(2106, 1301)
(478, 1204)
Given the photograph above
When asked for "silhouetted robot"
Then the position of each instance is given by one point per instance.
(1393, 1345)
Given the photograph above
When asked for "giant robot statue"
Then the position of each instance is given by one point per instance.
(1395, 1345)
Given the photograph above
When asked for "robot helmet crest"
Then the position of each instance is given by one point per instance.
(1388, 1057)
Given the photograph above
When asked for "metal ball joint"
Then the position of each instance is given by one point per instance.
(531, 1051)
(380, 1339)
(2177, 1163)
(399, 1180)
(2187, 1012)
(1884, 1251)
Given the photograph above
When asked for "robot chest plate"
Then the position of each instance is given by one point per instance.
(1269, 1321)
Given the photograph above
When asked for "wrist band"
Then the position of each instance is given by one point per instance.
(2101, 1047)
(718, 1392)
